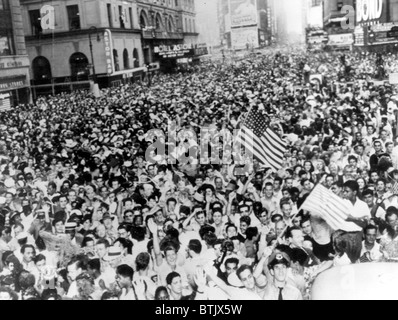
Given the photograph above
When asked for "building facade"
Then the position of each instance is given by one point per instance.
(14, 61)
(72, 41)
(169, 31)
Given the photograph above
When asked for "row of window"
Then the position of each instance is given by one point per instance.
(167, 24)
(79, 65)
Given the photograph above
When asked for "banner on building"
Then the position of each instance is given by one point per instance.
(110, 63)
(245, 38)
(243, 13)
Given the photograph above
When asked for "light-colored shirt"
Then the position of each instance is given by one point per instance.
(289, 293)
(375, 252)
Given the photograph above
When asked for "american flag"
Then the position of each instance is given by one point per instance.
(262, 141)
(331, 208)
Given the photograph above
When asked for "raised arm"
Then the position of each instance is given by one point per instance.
(153, 228)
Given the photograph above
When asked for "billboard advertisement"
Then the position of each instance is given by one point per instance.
(244, 38)
(370, 12)
(243, 13)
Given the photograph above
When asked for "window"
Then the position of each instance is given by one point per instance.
(41, 69)
(122, 18)
(6, 34)
(79, 65)
(6, 42)
(131, 17)
(158, 22)
(116, 60)
(4, 4)
(73, 17)
(136, 58)
(35, 22)
(109, 8)
(126, 62)
(143, 20)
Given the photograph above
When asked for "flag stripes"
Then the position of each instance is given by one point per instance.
(263, 143)
(331, 208)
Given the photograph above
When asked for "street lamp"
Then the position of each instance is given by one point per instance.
(93, 28)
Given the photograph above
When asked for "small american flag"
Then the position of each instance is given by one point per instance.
(264, 143)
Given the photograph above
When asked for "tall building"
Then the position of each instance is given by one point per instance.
(247, 24)
(72, 41)
(169, 31)
(208, 23)
(14, 61)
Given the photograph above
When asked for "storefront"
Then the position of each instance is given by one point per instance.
(14, 81)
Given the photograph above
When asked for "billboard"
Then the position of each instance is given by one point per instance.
(244, 38)
(243, 13)
(370, 12)
(345, 39)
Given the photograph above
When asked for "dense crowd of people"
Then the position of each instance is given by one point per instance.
(88, 211)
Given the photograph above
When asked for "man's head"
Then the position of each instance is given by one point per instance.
(174, 283)
(370, 234)
(278, 266)
(351, 189)
(194, 248)
(245, 274)
(231, 230)
(101, 248)
(124, 276)
(287, 209)
(28, 252)
(392, 217)
(368, 197)
(306, 226)
(245, 222)
(295, 237)
(231, 265)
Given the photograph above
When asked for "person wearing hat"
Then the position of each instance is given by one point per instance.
(278, 288)
(114, 256)
(107, 221)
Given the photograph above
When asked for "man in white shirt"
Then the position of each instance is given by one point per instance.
(371, 251)
(360, 212)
